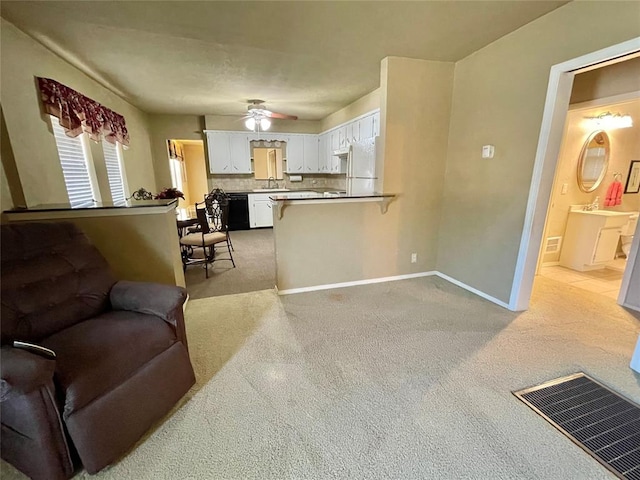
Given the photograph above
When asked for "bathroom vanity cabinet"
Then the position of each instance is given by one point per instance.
(591, 238)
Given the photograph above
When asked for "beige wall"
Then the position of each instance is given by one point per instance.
(32, 141)
(363, 105)
(625, 146)
(12, 194)
(616, 79)
(195, 163)
(141, 247)
(6, 202)
(166, 127)
(414, 128)
(330, 243)
(498, 98)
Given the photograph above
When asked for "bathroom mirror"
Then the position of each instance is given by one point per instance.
(267, 163)
(593, 162)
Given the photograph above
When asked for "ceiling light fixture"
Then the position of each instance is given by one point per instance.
(257, 121)
(610, 121)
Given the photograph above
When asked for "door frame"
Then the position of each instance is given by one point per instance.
(549, 142)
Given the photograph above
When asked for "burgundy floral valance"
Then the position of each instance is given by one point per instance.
(78, 113)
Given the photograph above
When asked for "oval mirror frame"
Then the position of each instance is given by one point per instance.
(598, 139)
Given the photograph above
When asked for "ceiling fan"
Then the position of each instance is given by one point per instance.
(258, 117)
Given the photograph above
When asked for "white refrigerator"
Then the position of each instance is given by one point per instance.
(361, 167)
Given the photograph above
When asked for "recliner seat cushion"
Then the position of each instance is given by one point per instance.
(97, 355)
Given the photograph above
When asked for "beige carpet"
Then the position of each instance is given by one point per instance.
(255, 267)
(407, 379)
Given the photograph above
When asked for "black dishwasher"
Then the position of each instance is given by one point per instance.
(238, 211)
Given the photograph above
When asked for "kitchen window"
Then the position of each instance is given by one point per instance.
(77, 167)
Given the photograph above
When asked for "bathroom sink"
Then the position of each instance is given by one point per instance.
(270, 189)
(605, 213)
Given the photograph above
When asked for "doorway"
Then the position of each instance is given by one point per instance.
(188, 171)
(550, 140)
(593, 210)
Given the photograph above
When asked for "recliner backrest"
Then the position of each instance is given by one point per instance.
(52, 277)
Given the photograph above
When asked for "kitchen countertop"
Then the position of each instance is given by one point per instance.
(281, 201)
(318, 190)
(95, 206)
(328, 195)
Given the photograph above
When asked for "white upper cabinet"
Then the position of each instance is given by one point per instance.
(240, 153)
(353, 132)
(311, 163)
(343, 140)
(302, 154)
(366, 127)
(295, 154)
(324, 153)
(219, 152)
(376, 123)
(334, 140)
(228, 152)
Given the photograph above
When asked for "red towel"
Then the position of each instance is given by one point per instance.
(614, 194)
(619, 193)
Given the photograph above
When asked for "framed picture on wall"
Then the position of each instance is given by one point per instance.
(633, 179)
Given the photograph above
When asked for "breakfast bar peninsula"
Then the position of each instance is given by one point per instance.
(325, 240)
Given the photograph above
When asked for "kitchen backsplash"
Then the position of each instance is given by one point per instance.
(236, 183)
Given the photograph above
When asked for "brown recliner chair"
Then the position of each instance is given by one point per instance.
(121, 353)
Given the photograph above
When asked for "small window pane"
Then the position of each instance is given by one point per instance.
(73, 160)
(112, 158)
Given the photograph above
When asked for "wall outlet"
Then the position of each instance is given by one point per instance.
(414, 257)
(563, 190)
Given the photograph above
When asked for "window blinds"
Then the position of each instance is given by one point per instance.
(74, 166)
(114, 172)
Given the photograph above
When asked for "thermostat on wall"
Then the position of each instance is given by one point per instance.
(488, 151)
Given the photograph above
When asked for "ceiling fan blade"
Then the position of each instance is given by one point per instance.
(280, 115)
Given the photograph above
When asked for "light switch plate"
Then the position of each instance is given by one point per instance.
(488, 151)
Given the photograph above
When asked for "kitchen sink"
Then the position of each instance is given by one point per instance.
(270, 189)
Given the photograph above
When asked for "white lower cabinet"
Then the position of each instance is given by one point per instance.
(260, 210)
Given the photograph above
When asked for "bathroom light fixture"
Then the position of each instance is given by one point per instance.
(610, 121)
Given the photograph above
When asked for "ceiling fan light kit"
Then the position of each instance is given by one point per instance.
(258, 117)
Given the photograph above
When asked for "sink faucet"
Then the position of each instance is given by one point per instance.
(592, 206)
(274, 182)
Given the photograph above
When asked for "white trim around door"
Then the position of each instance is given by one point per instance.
(549, 141)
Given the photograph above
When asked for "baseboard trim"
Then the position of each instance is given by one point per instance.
(368, 281)
(550, 264)
(473, 290)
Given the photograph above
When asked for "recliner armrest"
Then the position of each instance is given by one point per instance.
(22, 371)
(164, 301)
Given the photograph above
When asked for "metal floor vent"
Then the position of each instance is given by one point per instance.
(604, 424)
